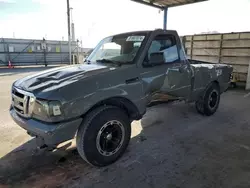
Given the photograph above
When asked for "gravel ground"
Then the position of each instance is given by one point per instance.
(172, 147)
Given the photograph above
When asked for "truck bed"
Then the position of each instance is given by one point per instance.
(192, 61)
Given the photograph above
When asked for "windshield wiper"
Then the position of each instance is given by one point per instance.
(87, 61)
(119, 63)
(108, 61)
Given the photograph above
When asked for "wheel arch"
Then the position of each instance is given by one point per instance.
(127, 105)
(202, 95)
(216, 82)
(211, 83)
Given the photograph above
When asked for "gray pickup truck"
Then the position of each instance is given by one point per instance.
(97, 101)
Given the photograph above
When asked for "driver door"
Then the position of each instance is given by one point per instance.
(172, 77)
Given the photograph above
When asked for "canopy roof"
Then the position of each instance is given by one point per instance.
(167, 3)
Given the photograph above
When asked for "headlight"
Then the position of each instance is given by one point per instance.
(47, 110)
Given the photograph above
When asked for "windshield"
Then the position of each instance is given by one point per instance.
(119, 48)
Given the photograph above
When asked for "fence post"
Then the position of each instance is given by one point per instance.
(77, 51)
(248, 78)
(61, 51)
(192, 45)
(44, 52)
(6, 49)
(220, 50)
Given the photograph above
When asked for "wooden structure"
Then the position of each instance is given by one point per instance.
(229, 48)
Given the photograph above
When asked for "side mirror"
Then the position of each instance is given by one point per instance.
(85, 59)
(156, 58)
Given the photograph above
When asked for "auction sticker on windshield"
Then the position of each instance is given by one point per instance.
(135, 38)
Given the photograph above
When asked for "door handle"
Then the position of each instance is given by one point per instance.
(177, 69)
(132, 80)
(181, 69)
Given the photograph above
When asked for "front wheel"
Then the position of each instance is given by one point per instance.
(104, 135)
(209, 103)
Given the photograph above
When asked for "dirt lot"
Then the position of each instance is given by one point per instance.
(172, 147)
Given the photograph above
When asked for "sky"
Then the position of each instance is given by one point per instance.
(96, 19)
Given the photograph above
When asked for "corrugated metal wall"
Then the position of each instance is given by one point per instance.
(229, 48)
(31, 52)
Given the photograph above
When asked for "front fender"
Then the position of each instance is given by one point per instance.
(82, 105)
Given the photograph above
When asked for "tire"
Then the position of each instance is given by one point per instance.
(209, 103)
(103, 136)
(233, 85)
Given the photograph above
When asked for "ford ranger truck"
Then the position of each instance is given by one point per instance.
(97, 101)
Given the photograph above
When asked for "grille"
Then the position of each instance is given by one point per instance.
(20, 102)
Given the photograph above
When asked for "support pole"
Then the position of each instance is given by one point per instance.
(69, 36)
(165, 18)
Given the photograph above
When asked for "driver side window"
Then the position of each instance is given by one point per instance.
(165, 44)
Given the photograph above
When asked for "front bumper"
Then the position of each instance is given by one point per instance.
(49, 134)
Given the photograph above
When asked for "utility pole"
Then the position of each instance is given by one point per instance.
(69, 35)
(73, 38)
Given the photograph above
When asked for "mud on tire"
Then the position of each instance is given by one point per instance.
(209, 103)
(104, 135)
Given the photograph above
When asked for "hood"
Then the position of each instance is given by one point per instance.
(59, 77)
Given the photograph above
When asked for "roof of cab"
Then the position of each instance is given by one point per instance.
(141, 32)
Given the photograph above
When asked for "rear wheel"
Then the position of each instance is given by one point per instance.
(104, 135)
(233, 84)
(209, 103)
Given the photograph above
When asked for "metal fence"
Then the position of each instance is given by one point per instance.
(36, 52)
(228, 48)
